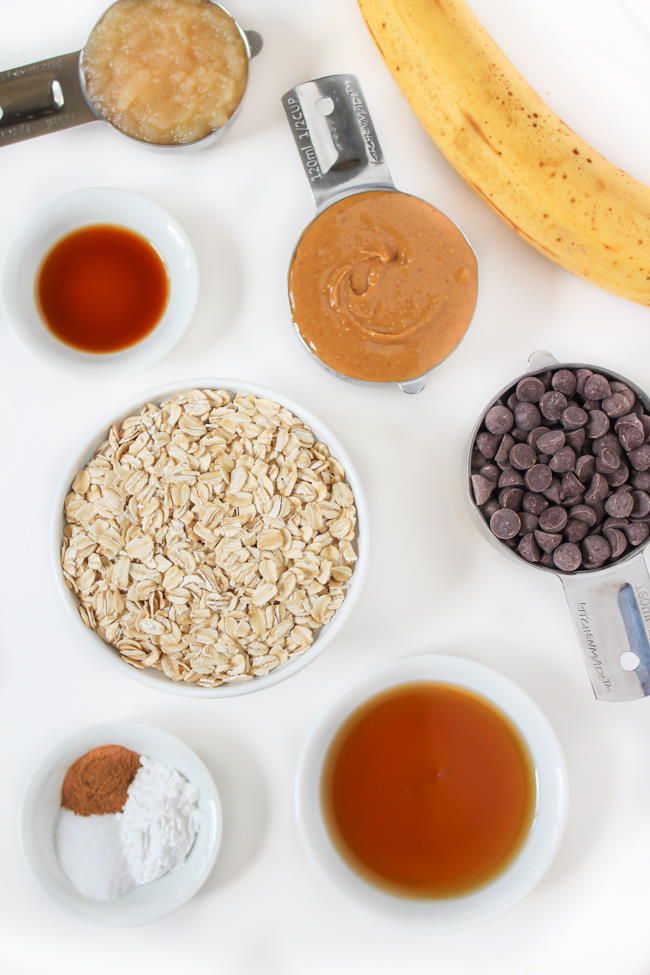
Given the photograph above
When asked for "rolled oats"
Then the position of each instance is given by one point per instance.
(210, 537)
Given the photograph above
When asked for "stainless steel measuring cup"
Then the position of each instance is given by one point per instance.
(610, 607)
(341, 155)
(50, 95)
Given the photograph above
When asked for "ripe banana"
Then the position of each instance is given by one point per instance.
(542, 179)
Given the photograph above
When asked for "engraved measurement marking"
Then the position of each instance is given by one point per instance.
(363, 118)
(310, 159)
(643, 602)
(590, 642)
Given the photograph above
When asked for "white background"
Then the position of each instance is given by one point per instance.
(434, 584)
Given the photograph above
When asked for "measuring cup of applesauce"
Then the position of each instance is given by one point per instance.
(584, 517)
(382, 285)
(117, 77)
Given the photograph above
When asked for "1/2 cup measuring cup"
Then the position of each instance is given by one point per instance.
(50, 95)
(382, 285)
(610, 606)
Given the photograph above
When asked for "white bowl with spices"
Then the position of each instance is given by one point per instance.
(295, 660)
(42, 805)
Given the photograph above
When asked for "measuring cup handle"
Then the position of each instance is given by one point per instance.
(42, 97)
(335, 137)
(611, 614)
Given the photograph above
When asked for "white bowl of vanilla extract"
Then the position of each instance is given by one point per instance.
(435, 790)
(100, 280)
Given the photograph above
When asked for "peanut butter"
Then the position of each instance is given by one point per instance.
(382, 286)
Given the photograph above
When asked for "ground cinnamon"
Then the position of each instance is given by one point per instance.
(98, 782)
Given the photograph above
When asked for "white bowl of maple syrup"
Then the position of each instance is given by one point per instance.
(416, 823)
(102, 279)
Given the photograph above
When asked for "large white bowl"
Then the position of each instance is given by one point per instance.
(61, 215)
(155, 678)
(550, 811)
(42, 802)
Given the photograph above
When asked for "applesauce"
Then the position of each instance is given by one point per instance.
(167, 72)
(382, 286)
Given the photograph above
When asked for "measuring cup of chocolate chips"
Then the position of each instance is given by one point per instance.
(559, 478)
(382, 285)
(169, 73)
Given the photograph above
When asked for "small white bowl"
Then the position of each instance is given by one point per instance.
(155, 678)
(530, 864)
(80, 208)
(41, 805)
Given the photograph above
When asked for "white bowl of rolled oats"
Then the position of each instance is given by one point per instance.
(214, 540)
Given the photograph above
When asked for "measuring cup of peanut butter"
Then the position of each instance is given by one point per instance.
(382, 285)
(166, 73)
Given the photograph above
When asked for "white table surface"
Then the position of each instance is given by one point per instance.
(434, 584)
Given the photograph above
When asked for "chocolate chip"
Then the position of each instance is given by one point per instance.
(618, 477)
(645, 421)
(571, 486)
(530, 389)
(502, 456)
(527, 416)
(596, 549)
(529, 549)
(488, 444)
(574, 417)
(617, 541)
(552, 441)
(505, 523)
(567, 557)
(534, 435)
(585, 467)
(637, 532)
(553, 519)
(598, 424)
(616, 405)
(528, 522)
(624, 390)
(575, 531)
(563, 461)
(544, 458)
(598, 489)
(553, 491)
(640, 457)
(538, 478)
(534, 503)
(512, 401)
(596, 387)
(590, 404)
(629, 431)
(547, 560)
(553, 404)
(510, 478)
(547, 541)
(576, 439)
(641, 504)
(609, 441)
(607, 461)
(582, 375)
(511, 497)
(584, 512)
(491, 471)
(620, 504)
(522, 456)
(564, 381)
(521, 436)
(490, 507)
(641, 480)
(499, 419)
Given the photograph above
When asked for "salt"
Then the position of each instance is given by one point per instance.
(91, 855)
